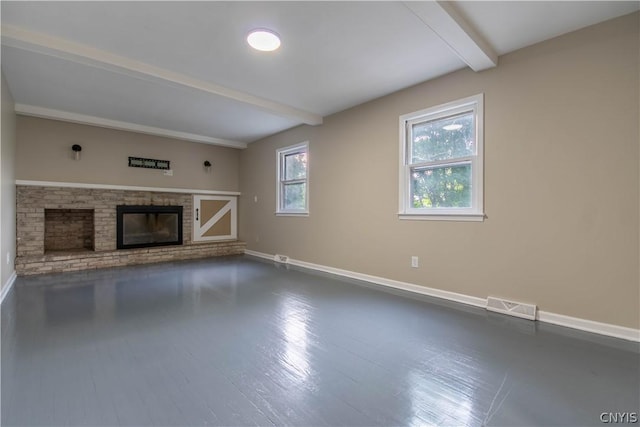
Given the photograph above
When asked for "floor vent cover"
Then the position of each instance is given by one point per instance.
(512, 308)
(281, 258)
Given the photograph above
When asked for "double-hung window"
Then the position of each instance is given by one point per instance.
(441, 162)
(293, 183)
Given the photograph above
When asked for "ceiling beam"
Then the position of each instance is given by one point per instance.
(456, 32)
(66, 116)
(37, 42)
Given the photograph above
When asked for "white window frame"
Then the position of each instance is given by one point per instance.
(476, 211)
(302, 147)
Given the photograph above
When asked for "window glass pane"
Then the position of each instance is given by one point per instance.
(447, 138)
(295, 166)
(140, 228)
(441, 187)
(294, 196)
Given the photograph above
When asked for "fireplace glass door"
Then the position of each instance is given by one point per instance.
(145, 226)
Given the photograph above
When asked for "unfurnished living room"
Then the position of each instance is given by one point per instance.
(296, 213)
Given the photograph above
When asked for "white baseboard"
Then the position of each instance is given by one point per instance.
(590, 326)
(607, 329)
(7, 286)
(258, 254)
(423, 290)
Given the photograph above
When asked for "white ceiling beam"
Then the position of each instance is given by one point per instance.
(456, 32)
(66, 116)
(37, 42)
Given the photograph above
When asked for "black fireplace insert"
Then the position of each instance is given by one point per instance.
(146, 226)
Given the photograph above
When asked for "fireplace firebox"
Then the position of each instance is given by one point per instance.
(146, 226)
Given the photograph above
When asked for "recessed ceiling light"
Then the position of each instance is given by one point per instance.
(264, 40)
(452, 127)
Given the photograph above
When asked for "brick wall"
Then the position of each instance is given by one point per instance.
(32, 201)
(68, 229)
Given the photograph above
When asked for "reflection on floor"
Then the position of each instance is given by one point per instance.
(237, 341)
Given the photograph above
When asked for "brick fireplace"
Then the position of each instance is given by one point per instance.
(69, 229)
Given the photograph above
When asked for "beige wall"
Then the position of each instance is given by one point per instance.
(7, 186)
(561, 184)
(44, 154)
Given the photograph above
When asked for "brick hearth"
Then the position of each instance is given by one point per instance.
(73, 204)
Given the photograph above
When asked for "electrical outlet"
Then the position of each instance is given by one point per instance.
(8, 258)
(414, 262)
(168, 172)
(255, 199)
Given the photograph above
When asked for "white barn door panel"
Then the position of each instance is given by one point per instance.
(215, 218)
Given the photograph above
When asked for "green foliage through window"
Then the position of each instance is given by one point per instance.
(292, 178)
(441, 187)
(443, 139)
(449, 139)
(295, 166)
(295, 195)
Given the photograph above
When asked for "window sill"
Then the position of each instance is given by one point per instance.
(292, 213)
(442, 217)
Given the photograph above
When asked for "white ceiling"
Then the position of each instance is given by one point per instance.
(184, 68)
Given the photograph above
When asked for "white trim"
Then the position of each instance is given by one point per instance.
(280, 154)
(7, 286)
(24, 39)
(454, 30)
(66, 116)
(258, 254)
(199, 230)
(606, 329)
(474, 104)
(452, 217)
(122, 187)
(423, 290)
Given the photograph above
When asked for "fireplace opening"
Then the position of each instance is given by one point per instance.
(68, 230)
(146, 226)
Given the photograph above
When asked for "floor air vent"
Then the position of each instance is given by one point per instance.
(281, 258)
(518, 309)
